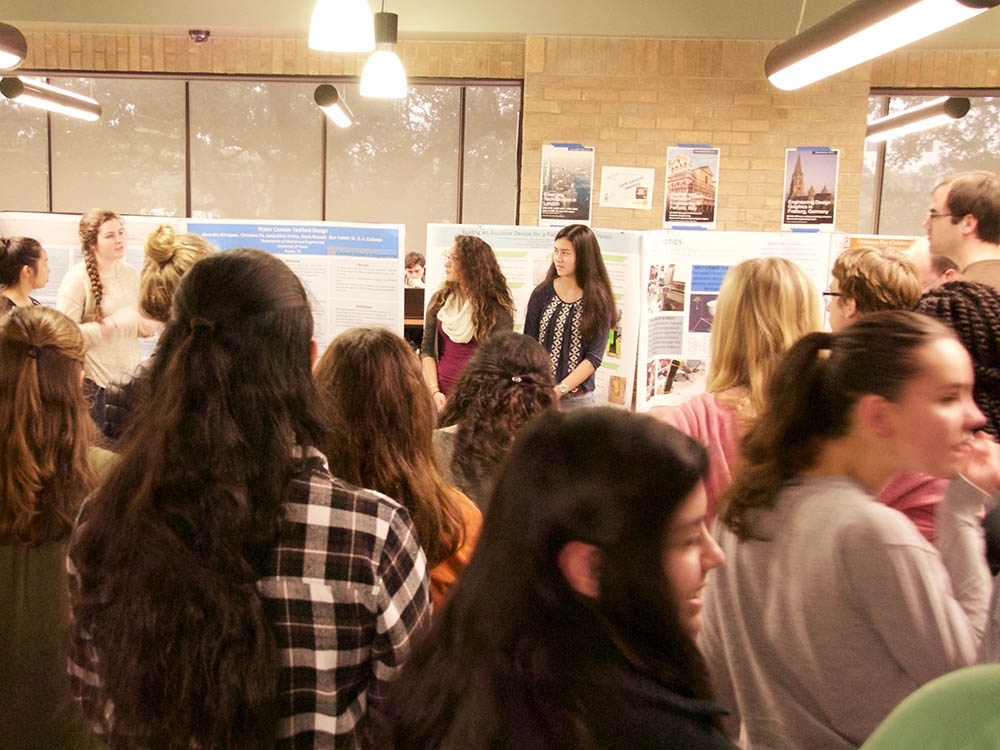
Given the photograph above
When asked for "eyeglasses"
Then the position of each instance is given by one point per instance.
(932, 214)
(832, 294)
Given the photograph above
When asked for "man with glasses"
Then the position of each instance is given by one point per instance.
(869, 279)
(963, 224)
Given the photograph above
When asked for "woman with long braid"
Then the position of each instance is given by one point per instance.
(101, 295)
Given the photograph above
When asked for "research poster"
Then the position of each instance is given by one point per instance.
(627, 187)
(692, 192)
(894, 241)
(567, 181)
(352, 272)
(524, 254)
(59, 235)
(682, 273)
(810, 200)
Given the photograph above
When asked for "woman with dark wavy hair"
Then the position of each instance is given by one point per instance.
(45, 470)
(473, 302)
(571, 312)
(506, 383)
(573, 625)
(379, 422)
(228, 592)
(24, 267)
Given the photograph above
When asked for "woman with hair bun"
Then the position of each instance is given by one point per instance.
(46, 468)
(506, 383)
(473, 302)
(101, 294)
(24, 267)
(571, 312)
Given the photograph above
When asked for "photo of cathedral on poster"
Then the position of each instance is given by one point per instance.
(805, 204)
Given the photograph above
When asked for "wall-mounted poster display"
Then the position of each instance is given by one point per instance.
(567, 181)
(810, 200)
(627, 187)
(692, 192)
(682, 272)
(894, 241)
(525, 254)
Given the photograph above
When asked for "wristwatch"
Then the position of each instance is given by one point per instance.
(563, 388)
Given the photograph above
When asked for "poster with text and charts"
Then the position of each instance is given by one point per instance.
(567, 181)
(353, 273)
(59, 235)
(810, 198)
(524, 254)
(627, 187)
(681, 275)
(692, 191)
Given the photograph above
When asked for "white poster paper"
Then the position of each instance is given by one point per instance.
(627, 187)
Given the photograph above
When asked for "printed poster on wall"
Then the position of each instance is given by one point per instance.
(351, 272)
(567, 180)
(692, 192)
(682, 273)
(627, 187)
(810, 200)
(524, 254)
(894, 241)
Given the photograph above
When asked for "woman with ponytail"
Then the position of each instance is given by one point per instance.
(101, 294)
(227, 591)
(46, 468)
(24, 267)
(506, 383)
(832, 607)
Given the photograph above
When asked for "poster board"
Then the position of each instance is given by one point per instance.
(681, 275)
(524, 254)
(810, 199)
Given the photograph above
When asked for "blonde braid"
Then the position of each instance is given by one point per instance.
(95, 282)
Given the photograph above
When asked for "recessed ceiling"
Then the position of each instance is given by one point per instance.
(446, 19)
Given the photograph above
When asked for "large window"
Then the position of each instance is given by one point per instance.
(240, 148)
(913, 164)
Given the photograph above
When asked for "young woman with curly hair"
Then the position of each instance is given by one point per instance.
(46, 468)
(379, 422)
(506, 383)
(101, 294)
(473, 302)
(24, 267)
(574, 624)
(571, 312)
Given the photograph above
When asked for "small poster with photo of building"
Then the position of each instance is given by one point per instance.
(692, 186)
(567, 182)
(810, 188)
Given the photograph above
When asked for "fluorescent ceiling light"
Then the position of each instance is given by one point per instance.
(928, 115)
(333, 106)
(862, 31)
(13, 47)
(37, 93)
(342, 26)
(383, 76)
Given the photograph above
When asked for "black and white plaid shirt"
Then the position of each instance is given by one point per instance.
(347, 595)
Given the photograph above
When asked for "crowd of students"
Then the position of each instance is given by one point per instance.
(372, 548)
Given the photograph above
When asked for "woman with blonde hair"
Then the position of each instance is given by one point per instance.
(379, 421)
(101, 294)
(764, 306)
(45, 471)
(473, 302)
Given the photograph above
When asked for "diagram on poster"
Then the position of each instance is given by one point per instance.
(810, 188)
(692, 186)
(683, 272)
(525, 256)
(567, 181)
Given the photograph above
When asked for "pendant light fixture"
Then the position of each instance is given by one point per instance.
(37, 93)
(13, 46)
(342, 26)
(383, 76)
(928, 115)
(333, 105)
(863, 30)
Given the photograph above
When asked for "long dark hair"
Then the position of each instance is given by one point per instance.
(15, 254)
(505, 383)
(592, 277)
(513, 658)
(45, 429)
(483, 282)
(379, 423)
(171, 546)
(810, 400)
